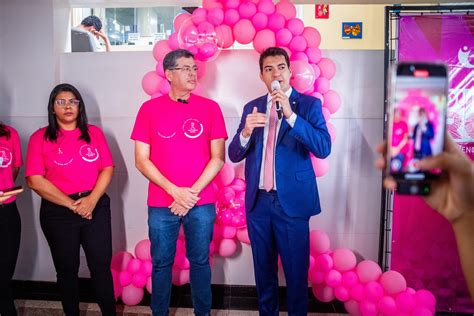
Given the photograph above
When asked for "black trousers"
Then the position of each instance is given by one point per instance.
(10, 231)
(65, 233)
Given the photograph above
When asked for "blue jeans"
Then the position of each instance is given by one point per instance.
(163, 229)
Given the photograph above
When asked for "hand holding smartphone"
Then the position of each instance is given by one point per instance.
(417, 123)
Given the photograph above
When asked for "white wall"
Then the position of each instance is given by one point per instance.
(110, 84)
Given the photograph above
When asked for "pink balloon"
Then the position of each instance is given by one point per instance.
(393, 282)
(331, 130)
(298, 44)
(199, 15)
(125, 278)
(300, 56)
(373, 291)
(205, 29)
(368, 270)
(317, 277)
(283, 37)
(323, 293)
(231, 4)
(215, 16)
(333, 278)
(139, 280)
(328, 68)
(179, 19)
(319, 242)
(225, 216)
(314, 55)
(147, 268)
(228, 232)
(358, 292)
(344, 259)
(238, 185)
(173, 42)
(312, 36)
(287, 50)
(225, 176)
(324, 263)
(181, 261)
(134, 265)
(326, 113)
(180, 277)
(320, 166)
(426, 299)
(160, 50)
(149, 285)
(266, 6)
(247, 9)
(422, 311)
(295, 26)
(319, 96)
(332, 101)
(405, 302)
(225, 39)
(302, 77)
(231, 17)
(321, 85)
(150, 82)
(142, 250)
(132, 295)
(260, 21)
(368, 308)
(155, 95)
(342, 293)
(312, 262)
(276, 22)
(164, 86)
(263, 40)
(349, 279)
(387, 306)
(188, 35)
(120, 260)
(244, 32)
(227, 247)
(287, 9)
(207, 52)
(211, 4)
(243, 236)
(352, 307)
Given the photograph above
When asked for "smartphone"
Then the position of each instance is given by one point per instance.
(12, 191)
(417, 123)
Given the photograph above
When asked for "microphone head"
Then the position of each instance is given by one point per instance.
(275, 85)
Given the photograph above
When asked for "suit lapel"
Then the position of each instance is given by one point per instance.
(262, 108)
(284, 124)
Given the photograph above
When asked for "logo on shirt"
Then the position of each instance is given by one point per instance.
(6, 157)
(62, 159)
(192, 128)
(166, 136)
(89, 153)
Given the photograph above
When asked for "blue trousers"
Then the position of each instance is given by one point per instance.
(274, 233)
(163, 228)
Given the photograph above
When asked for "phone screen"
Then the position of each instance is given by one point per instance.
(418, 118)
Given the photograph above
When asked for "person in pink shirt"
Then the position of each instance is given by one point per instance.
(399, 142)
(69, 165)
(10, 223)
(179, 146)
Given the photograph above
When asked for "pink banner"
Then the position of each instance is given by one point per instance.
(423, 245)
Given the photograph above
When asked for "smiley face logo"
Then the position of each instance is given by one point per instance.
(6, 157)
(88, 153)
(464, 54)
(192, 128)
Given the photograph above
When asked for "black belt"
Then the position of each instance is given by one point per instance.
(268, 192)
(78, 195)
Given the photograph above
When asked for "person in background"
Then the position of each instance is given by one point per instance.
(69, 165)
(423, 133)
(94, 25)
(452, 196)
(399, 142)
(10, 223)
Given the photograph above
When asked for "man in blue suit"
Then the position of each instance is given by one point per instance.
(281, 192)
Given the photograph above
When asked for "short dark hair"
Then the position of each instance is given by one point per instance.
(4, 132)
(273, 51)
(52, 130)
(94, 21)
(169, 62)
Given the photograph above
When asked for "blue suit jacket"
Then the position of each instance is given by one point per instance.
(295, 179)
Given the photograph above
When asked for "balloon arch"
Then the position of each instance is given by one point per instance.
(334, 274)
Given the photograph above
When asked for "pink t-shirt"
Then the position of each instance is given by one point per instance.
(179, 136)
(72, 165)
(10, 157)
(400, 131)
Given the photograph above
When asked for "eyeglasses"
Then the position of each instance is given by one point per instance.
(64, 102)
(186, 69)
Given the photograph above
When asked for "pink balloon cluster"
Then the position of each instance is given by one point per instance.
(231, 222)
(362, 286)
(131, 274)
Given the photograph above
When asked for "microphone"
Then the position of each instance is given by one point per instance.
(275, 86)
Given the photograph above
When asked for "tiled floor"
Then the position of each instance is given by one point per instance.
(53, 308)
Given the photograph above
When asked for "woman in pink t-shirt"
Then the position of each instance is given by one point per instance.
(10, 224)
(69, 165)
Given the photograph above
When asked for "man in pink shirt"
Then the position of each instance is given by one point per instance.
(179, 146)
(399, 142)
